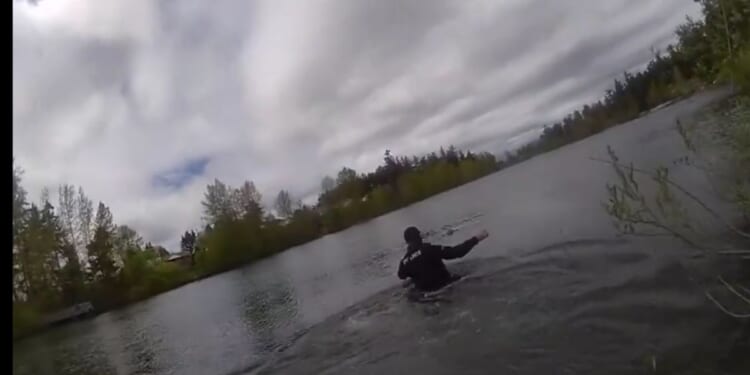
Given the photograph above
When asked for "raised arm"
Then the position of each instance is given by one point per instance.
(458, 251)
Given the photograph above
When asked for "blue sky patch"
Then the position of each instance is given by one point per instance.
(181, 175)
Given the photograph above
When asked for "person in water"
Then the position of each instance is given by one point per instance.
(423, 262)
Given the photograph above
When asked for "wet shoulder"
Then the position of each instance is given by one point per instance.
(412, 256)
(426, 251)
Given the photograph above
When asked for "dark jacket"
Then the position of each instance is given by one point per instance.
(423, 263)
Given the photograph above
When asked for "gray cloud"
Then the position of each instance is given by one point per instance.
(111, 95)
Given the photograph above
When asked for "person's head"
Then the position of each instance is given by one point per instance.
(412, 236)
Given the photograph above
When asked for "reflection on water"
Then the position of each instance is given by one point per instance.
(267, 310)
(110, 344)
(551, 291)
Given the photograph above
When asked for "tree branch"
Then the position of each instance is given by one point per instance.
(724, 309)
(747, 291)
(734, 252)
(673, 232)
(682, 190)
(734, 291)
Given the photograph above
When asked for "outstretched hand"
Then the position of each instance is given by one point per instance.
(482, 235)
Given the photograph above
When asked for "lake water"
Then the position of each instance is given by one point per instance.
(553, 290)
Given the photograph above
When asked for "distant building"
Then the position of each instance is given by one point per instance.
(160, 251)
(181, 258)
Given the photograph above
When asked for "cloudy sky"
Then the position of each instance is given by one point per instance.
(143, 102)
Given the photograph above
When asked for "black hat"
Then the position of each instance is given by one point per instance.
(412, 235)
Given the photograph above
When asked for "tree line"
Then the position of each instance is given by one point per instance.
(706, 51)
(239, 229)
(69, 253)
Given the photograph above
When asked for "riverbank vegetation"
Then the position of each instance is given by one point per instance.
(69, 253)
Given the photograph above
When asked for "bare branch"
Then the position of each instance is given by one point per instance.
(734, 291)
(747, 291)
(682, 190)
(734, 252)
(674, 233)
(724, 309)
(639, 234)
